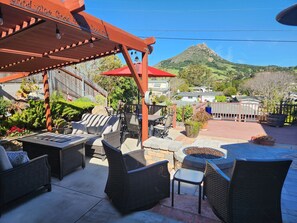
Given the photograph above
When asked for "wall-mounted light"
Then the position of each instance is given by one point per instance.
(1, 18)
(91, 43)
(58, 34)
(136, 59)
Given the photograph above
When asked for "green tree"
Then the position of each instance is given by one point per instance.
(230, 91)
(197, 75)
(125, 89)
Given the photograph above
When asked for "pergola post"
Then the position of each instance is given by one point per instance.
(47, 102)
(144, 85)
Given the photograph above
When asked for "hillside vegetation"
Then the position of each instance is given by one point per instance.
(221, 69)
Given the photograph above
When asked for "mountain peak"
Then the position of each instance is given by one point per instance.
(200, 54)
(197, 54)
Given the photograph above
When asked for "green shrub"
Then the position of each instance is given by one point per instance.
(220, 98)
(195, 126)
(188, 112)
(201, 116)
(30, 118)
(4, 104)
(70, 111)
(3, 129)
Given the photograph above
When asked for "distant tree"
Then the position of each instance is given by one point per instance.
(271, 86)
(178, 84)
(184, 87)
(230, 91)
(220, 98)
(219, 86)
(197, 75)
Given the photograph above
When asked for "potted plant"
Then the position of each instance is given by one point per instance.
(263, 140)
(192, 128)
(202, 116)
(59, 125)
(275, 119)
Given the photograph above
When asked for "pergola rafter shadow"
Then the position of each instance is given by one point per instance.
(28, 43)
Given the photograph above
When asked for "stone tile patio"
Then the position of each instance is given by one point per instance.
(80, 196)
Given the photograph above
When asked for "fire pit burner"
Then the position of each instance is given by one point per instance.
(203, 152)
(195, 157)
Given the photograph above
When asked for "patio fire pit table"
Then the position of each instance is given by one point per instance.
(194, 157)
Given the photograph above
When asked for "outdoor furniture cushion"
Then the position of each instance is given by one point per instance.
(94, 130)
(79, 127)
(97, 127)
(4, 161)
(17, 157)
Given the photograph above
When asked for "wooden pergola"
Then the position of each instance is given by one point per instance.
(40, 35)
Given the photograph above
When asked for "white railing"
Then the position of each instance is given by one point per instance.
(236, 111)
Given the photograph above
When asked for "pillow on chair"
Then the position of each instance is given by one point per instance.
(17, 158)
(96, 130)
(79, 127)
(4, 161)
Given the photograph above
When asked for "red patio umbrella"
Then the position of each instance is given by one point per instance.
(125, 72)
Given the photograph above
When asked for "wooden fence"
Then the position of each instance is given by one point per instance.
(287, 109)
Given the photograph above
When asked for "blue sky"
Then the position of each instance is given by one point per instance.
(201, 21)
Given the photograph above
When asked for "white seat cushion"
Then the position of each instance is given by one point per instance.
(4, 161)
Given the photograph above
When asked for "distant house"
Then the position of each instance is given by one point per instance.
(159, 87)
(201, 89)
(247, 99)
(198, 96)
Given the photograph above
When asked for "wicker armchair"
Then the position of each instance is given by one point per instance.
(252, 194)
(131, 185)
(23, 179)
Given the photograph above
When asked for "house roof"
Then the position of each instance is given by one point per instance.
(28, 42)
(197, 94)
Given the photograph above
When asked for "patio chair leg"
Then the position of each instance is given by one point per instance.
(172, 193)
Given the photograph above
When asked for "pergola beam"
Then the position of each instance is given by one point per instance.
(57, 12)
(14, 76)
(19, 28)
(132, 69)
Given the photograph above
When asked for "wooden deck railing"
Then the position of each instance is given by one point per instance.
(236, 111)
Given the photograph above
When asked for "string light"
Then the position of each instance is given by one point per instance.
(58, 34)
(91, 43)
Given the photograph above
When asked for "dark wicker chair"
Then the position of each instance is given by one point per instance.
(131, 185)
(161, 131)
(252, 194)
(133, 126)
(24, 179)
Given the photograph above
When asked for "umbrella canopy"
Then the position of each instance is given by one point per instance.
(125, 72)
(288, 16)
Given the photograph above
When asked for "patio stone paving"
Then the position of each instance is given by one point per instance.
(80, 196)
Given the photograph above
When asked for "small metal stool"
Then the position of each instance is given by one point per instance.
(187, 176)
